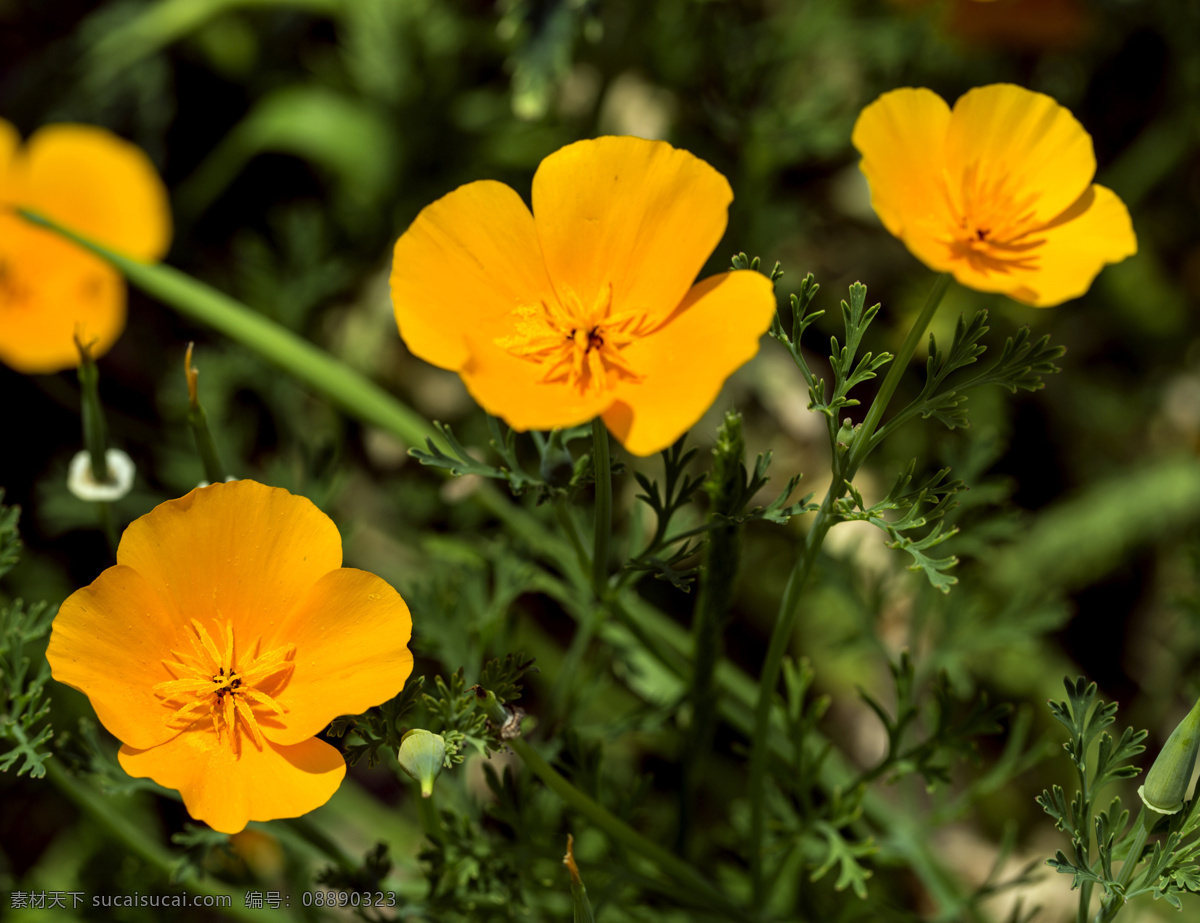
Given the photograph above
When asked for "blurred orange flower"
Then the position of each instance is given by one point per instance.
(1037, 25)
(225, 637)
(93, 182)
(585, 307)
(1021, 24)
(997, 192)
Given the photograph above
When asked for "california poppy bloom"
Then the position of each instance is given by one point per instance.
(225, 637)
(50, 289)
(997, 192)
(585, 306)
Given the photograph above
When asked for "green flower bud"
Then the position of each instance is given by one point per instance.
(421, 756)
(845, 435)
(558, 466)
(1168, 779)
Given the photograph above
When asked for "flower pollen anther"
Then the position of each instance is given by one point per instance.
(210, 687)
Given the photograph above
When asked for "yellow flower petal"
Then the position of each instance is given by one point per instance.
(685, 362)
(227, 791)
(622, 227)
(224, 638)
(94, 183)
(901, 137)
(50, 290)
(638, 215)
(351, 635)
(1025, 139)
(1001, 191)
(513, 389)
(467, 262)
(108, 641)
(239, 550)
(10, 141)
(97, 184)
(1070, 253)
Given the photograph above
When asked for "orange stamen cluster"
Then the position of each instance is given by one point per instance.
(992, 225)
(578, 345)
(214, 684)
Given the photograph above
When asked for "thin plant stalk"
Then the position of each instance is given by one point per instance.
(308, 363)
(206, 446)
(602, 465)
(95, 437)
(844, 469)
(616, 829)
(122, 829)
(1114, 902)
(722, 557)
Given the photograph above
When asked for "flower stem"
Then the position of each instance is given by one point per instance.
(617, 830)
(1115, 901)
(431, 820)
(102, 810)
(781, 637)
(862, 437)
(206, 447)
(718, 576)
(95, 438)
(602, 466)
(337, 381)
(571, 531)
(844, 469)
(317, 838)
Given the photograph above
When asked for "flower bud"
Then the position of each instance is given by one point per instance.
(558, 465)
(421, 756)
(1168, 779)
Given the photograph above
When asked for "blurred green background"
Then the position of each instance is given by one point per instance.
(299, 139)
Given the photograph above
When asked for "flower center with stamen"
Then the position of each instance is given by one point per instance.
(991, 227)
(214, 684)
(576, 344)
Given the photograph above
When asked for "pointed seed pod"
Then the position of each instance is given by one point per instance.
(1167, 782)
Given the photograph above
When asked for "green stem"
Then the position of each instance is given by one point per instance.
(785, 622)
(1116, 900)
(1085, 902)
(781, 637)
(108, 525)
(571, 530)
(602, 466)
(206, 447)
(862, 437)
(353, 392)
(95, 440)
(718, 575)
(109, 815)
(427, 812)
(616, 829)
(317, 838)
(95, 427)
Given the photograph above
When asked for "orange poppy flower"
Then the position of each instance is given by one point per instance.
(585, 306)
(93, 182)
(997, 192)
(224, 638)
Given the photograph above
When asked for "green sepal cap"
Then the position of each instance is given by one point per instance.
(421, 755)
(558, 465)
(1167, 781)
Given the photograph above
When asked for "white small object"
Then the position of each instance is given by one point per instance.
(120, 477)
(207, 484)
